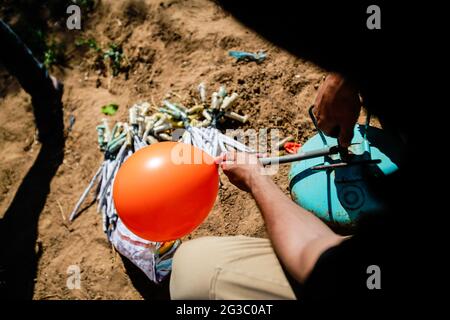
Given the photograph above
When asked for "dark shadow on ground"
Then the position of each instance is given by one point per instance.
(19, 253)
(147, 289)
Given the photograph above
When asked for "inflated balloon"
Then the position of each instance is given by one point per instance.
(164, 191)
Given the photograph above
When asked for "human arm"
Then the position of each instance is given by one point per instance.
(337, 107)
(298, 237)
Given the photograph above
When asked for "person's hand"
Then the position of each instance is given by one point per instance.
(241, 168)
(337, 108)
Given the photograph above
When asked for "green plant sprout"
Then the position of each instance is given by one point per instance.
(53, 54)
(115, 56)
(91, 43)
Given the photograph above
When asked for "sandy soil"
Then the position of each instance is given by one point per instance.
(171, 46)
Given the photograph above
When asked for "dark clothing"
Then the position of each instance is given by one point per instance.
(35, 80)
(18, 226)
(334, 35)
(20, 62)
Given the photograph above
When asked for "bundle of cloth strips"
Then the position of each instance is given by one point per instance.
(148, 124)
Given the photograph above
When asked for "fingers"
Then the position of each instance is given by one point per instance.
(232, 158)
(345, 136)
(316, 110)
(220, 159)
(226, 159)
(226, 156)
(330, 128)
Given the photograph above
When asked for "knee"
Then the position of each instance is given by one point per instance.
(192, 270)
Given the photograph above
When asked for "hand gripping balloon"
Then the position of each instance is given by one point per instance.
(164, 191)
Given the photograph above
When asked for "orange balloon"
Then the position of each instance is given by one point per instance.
(164, 191)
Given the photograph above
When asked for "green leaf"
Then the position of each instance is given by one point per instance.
(110, 109)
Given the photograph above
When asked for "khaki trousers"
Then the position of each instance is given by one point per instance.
(219, 268)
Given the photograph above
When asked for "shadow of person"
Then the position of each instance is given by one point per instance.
(18, 227)
(146, 288)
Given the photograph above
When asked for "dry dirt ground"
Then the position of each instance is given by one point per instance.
(171, 47)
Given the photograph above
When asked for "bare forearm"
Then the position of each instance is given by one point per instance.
(292, 229)
(298, 237)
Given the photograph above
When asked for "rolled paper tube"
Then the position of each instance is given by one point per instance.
(141, 126)
(206, 114)
(202, 92)
(215, 101)
(145, 106)
(115, 130)
(148, 127)
(181, 107)
(175, 114)
(161, 120)
(107, 129)
(222, 92)
(205, 123)
(101, 136)
(229, 101)
(151, 140)
(165, 136)
(115, 146)
(132, 113)
(161, 128)
(195, 109)
(237, 117)
(175, 109)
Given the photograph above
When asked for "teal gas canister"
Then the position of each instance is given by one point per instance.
(338, 190)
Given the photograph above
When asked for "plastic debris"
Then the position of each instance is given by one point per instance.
(292, 147)
(71, 122)
(259, 56)
(110, 109)
(281, 143)
(153, 258)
